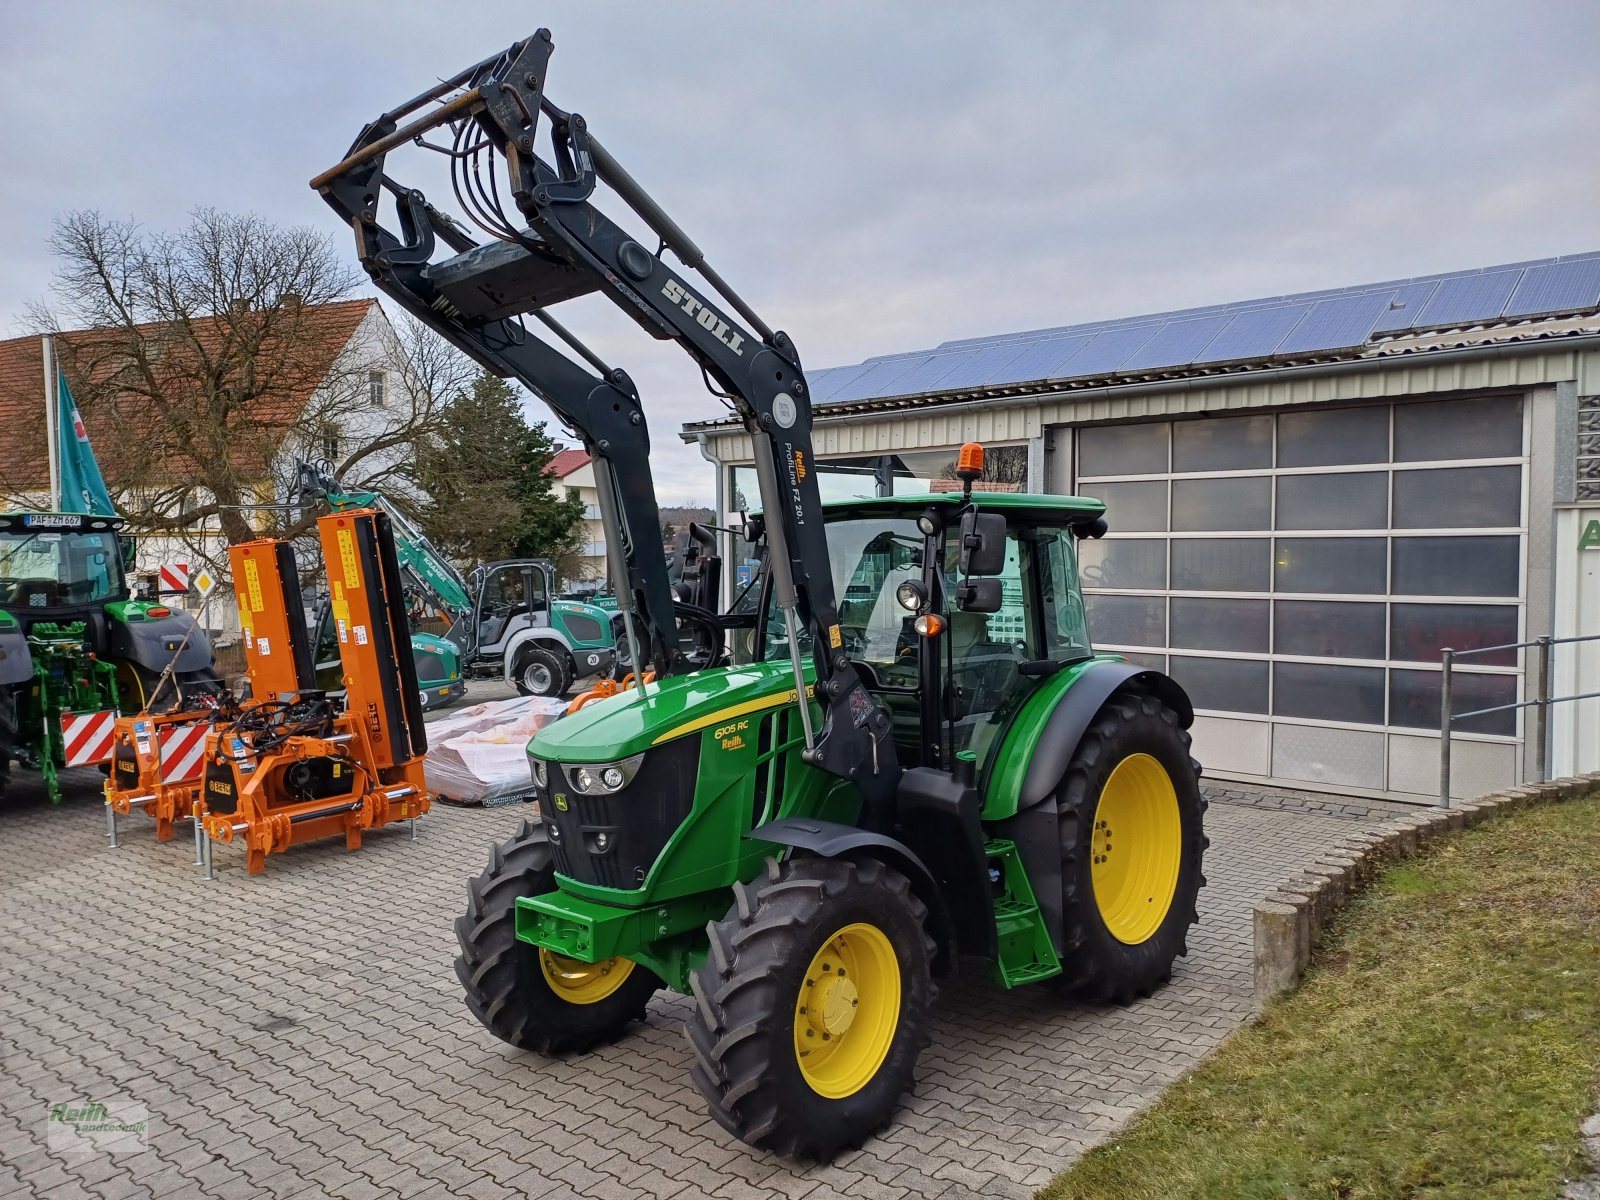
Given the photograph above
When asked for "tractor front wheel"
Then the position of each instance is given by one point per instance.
(812, 1005)
(1132, 837)
(524, 994)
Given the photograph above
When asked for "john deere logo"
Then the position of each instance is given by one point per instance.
(561, 801)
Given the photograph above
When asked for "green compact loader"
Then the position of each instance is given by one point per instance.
(903, 758)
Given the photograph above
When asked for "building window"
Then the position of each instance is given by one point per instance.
(331, 446)
(378, 389)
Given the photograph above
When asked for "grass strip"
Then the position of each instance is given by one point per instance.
(1445, 1043)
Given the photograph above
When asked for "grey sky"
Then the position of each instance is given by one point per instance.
(873, 177)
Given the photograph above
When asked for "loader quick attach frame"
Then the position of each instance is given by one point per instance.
(560, 246)
(287, 768)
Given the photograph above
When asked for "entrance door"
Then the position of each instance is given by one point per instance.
(1575, 725)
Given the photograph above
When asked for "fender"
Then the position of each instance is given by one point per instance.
(532, 636)
(1064, 729)
(829, 839)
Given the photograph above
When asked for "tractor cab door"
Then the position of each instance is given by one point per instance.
(511, 598)
(1002, 645)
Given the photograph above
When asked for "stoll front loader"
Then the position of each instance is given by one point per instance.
(923, 759)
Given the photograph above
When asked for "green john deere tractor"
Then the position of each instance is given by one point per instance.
(1049, 821)
(914, 757)
(73, 643)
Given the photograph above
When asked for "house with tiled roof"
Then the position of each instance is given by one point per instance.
(173, 408)
(573, 472)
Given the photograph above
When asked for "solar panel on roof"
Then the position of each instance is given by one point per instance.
(1298, 323)
(1043, 360)
(881, 379)
(1470, 298)
(979, 368)
(1175, 344)
(1335, 324)
(1107, 351)
(826, 385)
(1556, 287)
(1405, 306)
(925, 376)
(1253, 334)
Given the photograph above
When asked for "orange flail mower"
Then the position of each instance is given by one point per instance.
(291, 765)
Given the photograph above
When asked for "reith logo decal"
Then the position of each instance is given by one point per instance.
(707, 317)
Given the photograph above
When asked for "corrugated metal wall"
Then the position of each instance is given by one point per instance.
(1020, 419)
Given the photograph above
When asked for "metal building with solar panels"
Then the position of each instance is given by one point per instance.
(1309, 495)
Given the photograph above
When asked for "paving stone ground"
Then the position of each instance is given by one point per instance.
(301, 1034)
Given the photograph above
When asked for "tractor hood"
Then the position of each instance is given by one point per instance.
(633, 721)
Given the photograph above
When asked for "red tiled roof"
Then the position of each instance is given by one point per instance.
(92, 357)
(566, 462)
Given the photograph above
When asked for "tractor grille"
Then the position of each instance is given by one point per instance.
(636, 821)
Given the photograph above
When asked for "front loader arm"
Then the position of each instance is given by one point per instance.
(568, 247)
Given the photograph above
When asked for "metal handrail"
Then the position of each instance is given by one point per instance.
(1540, 703)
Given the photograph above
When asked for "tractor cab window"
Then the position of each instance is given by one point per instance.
(59, 570)
(507, 594)
(985, 651)
(870, 558)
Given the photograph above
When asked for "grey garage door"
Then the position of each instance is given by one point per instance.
(1298, 571)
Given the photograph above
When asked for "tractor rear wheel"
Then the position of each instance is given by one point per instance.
(812, 1005)
(524, 994)
(1132, 837)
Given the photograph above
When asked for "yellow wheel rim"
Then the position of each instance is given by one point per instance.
(1136, 849)
(578, 982)
(847, 1012)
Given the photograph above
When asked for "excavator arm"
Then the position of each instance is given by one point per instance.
(420, 563)
(558, 245)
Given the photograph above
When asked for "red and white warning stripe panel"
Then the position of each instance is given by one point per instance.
(183, 749)
(175, 577)
(87, 736)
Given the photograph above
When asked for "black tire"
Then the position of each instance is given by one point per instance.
(1097, 965)
(742, 1027)
(624, 661)
(542, 672)
(8, 734)
(505, 984)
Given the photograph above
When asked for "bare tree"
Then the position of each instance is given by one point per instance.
(208, 360)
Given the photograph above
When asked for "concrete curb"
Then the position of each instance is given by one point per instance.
(1289, 918)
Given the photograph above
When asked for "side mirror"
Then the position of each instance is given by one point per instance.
(979, 596)
(130, 552)
(983, 544)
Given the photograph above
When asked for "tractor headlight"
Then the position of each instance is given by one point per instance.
(911, 595)
(541, 773)
(601, 779)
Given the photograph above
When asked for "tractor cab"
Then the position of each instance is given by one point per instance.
(953, 644)
(60, 567)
